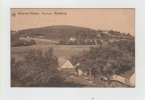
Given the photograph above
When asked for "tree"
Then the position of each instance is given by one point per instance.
(82, 42)
(32, 42)
(89, 42)
(41, 68)
(99, 42)
(72, 42)
(62, 42)
(89, 65)
(93, 42)
(75, 59)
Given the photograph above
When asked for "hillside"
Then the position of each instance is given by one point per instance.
(80, 35)
(59, 32)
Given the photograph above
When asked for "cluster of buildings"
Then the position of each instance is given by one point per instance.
(110, 35)
(117, 35)
(127, 78)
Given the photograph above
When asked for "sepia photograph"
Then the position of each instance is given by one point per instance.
(72, 47)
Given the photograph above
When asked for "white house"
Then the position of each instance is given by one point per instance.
(65, 65)
(72, 39)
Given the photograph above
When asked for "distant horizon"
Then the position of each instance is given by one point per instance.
(71, 26)
(122, 20)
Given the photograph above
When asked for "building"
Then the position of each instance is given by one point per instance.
(105, 31)
(65, 65)
(72, 39)
(127, 78)
(98, 35)
(115, 34)
(132, 80)
(130, 77)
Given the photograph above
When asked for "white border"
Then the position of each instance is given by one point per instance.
(136, 93)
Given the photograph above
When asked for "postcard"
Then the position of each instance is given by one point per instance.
(67, 47)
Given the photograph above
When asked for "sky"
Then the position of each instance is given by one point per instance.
(122, 20)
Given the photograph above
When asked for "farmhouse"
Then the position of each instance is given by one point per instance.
(127, 78)
(130, 77)
(65, 65)
(72, 39)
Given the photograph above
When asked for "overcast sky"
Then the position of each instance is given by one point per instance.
(122, 20)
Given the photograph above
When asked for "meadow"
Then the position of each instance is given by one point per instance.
(40, 40)
(59, 50)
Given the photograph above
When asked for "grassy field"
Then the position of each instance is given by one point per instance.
(59, 50)
(43, 44)
(40, 40)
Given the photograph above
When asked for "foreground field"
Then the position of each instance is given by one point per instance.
(59, 50)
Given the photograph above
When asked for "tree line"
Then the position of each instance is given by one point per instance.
(16, 42)
(80, 42)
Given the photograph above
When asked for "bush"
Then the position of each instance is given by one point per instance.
(82, 42)
(57, 79)
(99, 42)
(18, 43)
(32, 42)
(62, 42)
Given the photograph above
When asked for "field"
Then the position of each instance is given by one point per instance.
(40, 40)
(44, 44)
(59, 50)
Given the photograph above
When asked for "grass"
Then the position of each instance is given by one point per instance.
(59, 50)
(40, 40)
(43, 44)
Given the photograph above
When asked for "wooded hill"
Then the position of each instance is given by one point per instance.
(61, 32)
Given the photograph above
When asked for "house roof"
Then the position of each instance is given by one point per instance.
(61, 61)
(128, 74)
